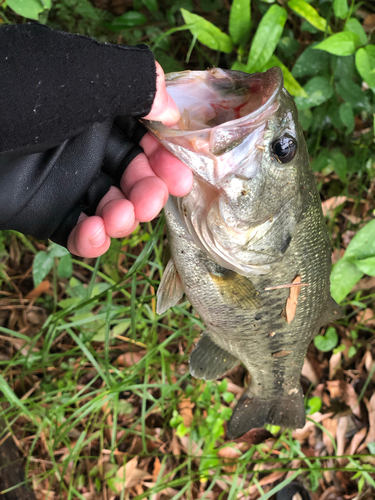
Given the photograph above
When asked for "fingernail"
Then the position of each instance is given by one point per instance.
(99, 237)
(174, 114)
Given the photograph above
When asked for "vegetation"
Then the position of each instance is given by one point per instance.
(96, 386)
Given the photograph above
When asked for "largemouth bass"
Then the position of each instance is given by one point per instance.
(249, 233)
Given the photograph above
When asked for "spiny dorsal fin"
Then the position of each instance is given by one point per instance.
(209, 361)
(170, 290)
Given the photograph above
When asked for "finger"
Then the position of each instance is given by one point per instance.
(88, 238)
(176, 175)
(148, 195)
(144, 189)
(164, 109)
(117, 213)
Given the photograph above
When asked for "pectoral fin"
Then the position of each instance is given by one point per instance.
(209, 361)
(170, 290)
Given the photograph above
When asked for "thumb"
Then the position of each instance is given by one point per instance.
(164, 109)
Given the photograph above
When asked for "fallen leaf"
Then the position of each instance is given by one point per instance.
(342, 425)
(369, 23)
(156, 469)
(334, 388)
(185, 409)
(309, 372)
(334, 364)
(329, 206)
(281, 354)
(357, 440)
(254, 436)
(130, 358)
(366, 317)
(231, 452)
(330, 425)
(291, 303)
(371, 417)
(39, 290)
(130, 476)
(351, 399)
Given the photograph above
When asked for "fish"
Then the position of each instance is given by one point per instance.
(249, 246)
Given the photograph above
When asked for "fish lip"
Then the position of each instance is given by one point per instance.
(274, 74)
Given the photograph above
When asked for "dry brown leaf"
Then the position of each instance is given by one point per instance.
(357, 440)
(366, 317)
(270, 479)
(39, 290)
(156, 469)
(309, 372)
(342, 425)
(130, 358)
(254, 436)
(185, 409)
(371, 417)
(130, 476)
(331, 425)
(351, 399)
(329, 206)
(281, 354)
(291, 303)
(334, 388)
(334, 364)
(369, 362)
(231, 452)
(369, 23)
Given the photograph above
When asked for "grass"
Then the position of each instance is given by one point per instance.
(100, 397)
(95, 385)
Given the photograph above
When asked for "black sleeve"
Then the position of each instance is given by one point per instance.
(53, 85)
(67, 126)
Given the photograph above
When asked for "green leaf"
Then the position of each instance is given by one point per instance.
(340, 44)
(367, 266)
(130, 19)
(314, 404)
(42, 265)
(362, 244)
(266, 38)
(207, 33)
(27, 8)
(347, 116)
(343, 277)
(365, 64)
(152, 5)
(311, 62)
(56, 250)
(240, 21)
(355, 26)
(308, 12)
(353, 94)
(65, 269)
(340, 8)
(290, 83)
(318, 89)
(328, 341)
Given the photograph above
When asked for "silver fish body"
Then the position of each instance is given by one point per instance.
(252, 222)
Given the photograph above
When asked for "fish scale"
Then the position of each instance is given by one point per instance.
(252, 221)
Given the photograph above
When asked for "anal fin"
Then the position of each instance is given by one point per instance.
(170, 290)
(209, 361)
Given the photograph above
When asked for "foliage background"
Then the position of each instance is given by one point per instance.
(96, 387)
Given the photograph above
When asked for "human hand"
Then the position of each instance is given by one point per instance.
(145, 187)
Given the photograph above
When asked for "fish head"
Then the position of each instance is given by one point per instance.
(239, 133)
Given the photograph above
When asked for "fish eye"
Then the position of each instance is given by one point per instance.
(284, 149)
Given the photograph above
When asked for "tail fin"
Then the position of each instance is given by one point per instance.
(252, 412)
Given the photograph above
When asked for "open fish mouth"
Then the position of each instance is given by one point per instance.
(219, 97)
(219, 107)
